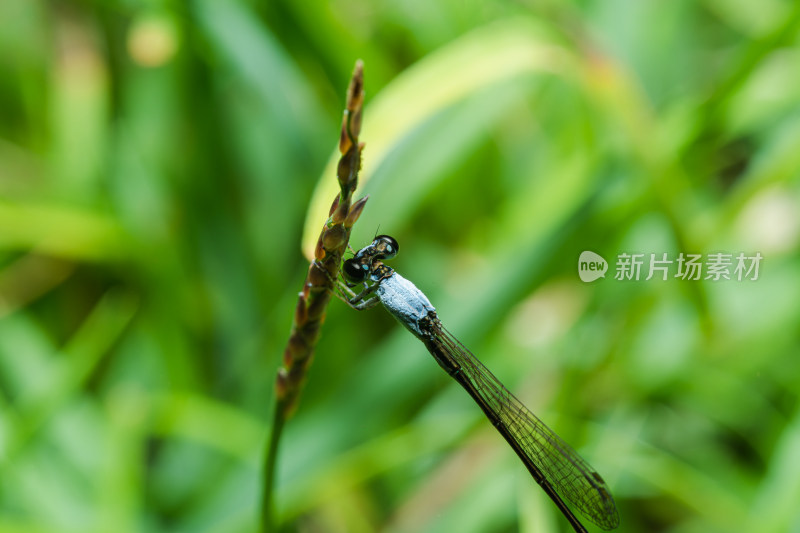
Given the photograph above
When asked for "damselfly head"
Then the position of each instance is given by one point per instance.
(359, 267)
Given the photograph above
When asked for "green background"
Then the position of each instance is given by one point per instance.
(158, 162)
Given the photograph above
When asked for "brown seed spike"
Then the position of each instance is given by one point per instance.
(344, 138)
(341, 213)
(288, 357)
(355, 92)
(319, 251)
(321, 279)
(295, 350)
(316, 276)
(355, 123)
(334, 205)
(301, 311)
(280, 383)
(347, 169)
(355, 212)
(334, 237)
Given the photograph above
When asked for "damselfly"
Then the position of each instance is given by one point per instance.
(555, 466)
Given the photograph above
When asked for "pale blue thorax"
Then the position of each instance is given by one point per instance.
(405, 301)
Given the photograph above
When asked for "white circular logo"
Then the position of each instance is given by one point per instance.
(591, 266)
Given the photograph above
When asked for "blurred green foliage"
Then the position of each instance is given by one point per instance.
(157, 164)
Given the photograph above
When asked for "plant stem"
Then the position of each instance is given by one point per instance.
(267, 503)
(317, 288)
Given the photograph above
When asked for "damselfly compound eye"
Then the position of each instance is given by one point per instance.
(354, 271)
(386, 246)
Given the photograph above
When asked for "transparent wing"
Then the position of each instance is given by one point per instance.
(566, 471)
